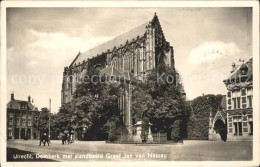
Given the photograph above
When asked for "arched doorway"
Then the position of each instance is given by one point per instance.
(221, 129)
(22, 133)
(16, 133)
(28, 135)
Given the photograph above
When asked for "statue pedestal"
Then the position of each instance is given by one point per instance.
(137, 137)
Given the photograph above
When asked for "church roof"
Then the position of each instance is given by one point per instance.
(116, 42)
(237, 73)
(111, 71)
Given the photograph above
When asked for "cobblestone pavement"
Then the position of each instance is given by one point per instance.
(101, 151)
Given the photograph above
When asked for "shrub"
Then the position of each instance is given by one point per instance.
(176, 133)
(112, 135)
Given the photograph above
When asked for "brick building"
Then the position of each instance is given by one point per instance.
(21, 119)
(240, 102)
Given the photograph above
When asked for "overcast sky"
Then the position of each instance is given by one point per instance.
(42, 41)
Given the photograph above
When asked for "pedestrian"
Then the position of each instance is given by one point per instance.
(63, 138)
(43, 139)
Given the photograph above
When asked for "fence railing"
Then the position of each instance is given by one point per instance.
(159, 137)
(124, 138)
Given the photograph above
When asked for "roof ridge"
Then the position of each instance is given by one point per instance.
(75, 59)
(114, 42)
(119, 36)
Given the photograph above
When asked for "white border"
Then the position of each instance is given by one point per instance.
(255, 36)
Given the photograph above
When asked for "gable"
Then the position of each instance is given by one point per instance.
(238, 75)
(219, 115)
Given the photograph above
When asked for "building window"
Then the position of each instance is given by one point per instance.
(238, 102)
(249, 99)
(229, 94)
(121, 64)
(244, 69)
(10, 119)
(243, 92)
(23, 106)
(10, 134)
(237, 126)
(236, 93)
(18, 121)
(126, 62)
(29, 122)
(251, 127)
(23, 120)
(234, 103)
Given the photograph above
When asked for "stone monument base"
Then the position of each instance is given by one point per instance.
(137, 137)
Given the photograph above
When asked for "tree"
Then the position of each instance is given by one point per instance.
(160, 97)
(61, 121)
(96, 103)
(43, 121)
(198, 121)
(141, 103)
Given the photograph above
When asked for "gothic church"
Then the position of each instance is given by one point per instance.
(132, 54)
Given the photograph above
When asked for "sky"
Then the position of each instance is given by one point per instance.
(42, 41)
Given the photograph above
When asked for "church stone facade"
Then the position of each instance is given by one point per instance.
(132, 54)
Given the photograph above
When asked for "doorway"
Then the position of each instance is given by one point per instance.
(22, 133)
(221, 129)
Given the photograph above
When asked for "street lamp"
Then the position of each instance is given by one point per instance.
(50, 120)
(84, 126)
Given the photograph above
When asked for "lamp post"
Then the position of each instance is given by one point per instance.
(50, 119)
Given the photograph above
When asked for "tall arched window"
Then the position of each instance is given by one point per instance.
(126, 62)
(117, 64)
(74, 82)
(70, 84)
(137, 61)
(132, 62)
(120, 64)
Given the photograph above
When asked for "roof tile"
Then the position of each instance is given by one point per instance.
(116, 42)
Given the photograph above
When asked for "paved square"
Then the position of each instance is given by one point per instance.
(101, 151)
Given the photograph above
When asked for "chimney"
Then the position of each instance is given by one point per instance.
(29, 99)
(12, 96)
(233, 67)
